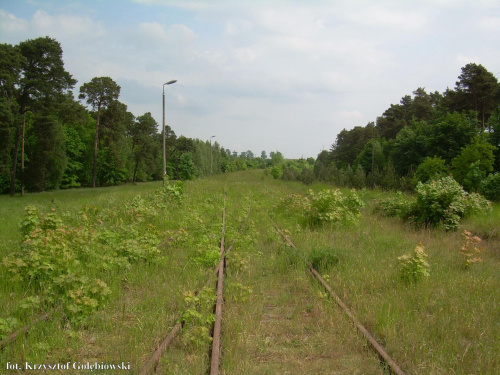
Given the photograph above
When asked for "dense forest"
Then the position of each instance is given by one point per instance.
(49, 139)
(425, 136)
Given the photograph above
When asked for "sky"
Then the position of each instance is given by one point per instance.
(264, 75)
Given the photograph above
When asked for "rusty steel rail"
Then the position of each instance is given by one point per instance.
(216, 333)
(151, 364)
(379, 349)
(13, 336)
(216, 342)
(394, 368)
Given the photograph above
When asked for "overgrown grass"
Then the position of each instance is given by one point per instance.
(445, 323)
(276, 318)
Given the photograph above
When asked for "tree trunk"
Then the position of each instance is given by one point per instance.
(22, 154)
(137, 161)
(14, 162)
(96, 142)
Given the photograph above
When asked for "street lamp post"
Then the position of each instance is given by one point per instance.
(211, 154)
(164, 136)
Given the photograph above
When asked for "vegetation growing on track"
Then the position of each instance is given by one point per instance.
(276, 319)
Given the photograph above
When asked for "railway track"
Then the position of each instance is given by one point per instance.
(14, 335)
(385, 358)
(215, 352)
(150, 366)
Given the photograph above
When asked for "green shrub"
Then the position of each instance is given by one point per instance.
(277, 171)
(331, 206)
(208, 257)
(7, 325)
(323, 259)
(326, 206)
(289, 174)
(443, 201)
(490, 187)
(187, 168)
(414, 266)
(393, 206)
(431, 168)
(306, 176)
(58, 260)
(198, 318)
(172, 191)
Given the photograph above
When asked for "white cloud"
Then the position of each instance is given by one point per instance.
(351, 115)
(11, 24)
(247, 54)
(66, 26)
(489, 24)
(152, 30)
(277, 75)
(391, 19)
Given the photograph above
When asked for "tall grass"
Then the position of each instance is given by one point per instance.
(276, 318)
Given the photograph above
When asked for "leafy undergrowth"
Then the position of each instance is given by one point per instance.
(433, 306)
(441, 202)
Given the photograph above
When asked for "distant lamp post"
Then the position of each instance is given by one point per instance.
(164, 137)
(211, 154)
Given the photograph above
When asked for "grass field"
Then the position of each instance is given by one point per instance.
(277, 320)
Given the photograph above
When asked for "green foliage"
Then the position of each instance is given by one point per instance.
(289, 174)
(323, 259)
(431, 168)
(372, 156)
(414, 266)
(198, 318)
(475, 175)
(449, 134)
(173, 191)
(145, 148)
(477, 90)
(332, 206)
(393, 206)
(306, 176)
(437, 202)
(109, 170)
(350, 143)
(67, 145)
(277, 171)
(31, 220)
(44, 79)
(276, 158)
(74, 150)
(326, 206)
(444, 201)
(428, 125)
(100, 92)
(187, 169)
(238, 292)
(48, 158)
(490, 187)
(63, 261)
(473, 163)
(7, 325)
(208, 257)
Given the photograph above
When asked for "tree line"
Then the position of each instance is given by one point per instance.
(50, 140)
(426, 135)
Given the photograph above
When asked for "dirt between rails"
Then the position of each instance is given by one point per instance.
(289, 326)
